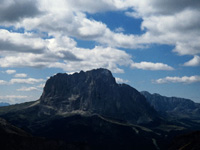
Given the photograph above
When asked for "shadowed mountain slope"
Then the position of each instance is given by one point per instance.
(96, 92)
(173, 106)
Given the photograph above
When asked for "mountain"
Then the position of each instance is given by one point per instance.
(89, 110)
(4, 104)
(95, 92)
(173, 106)
(15, 108)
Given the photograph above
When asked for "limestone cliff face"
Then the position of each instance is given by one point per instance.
(96, 92)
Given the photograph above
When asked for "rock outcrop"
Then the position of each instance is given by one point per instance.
(96, 92)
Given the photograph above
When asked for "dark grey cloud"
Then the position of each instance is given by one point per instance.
(18, 9)
(174, 6)
(9, 46)
(70, 56)
(91, 6)
(52, 57)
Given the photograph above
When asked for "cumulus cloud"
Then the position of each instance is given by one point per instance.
(163, 22)
(26, 81)
(170, 22)
(119, 29)
(55, 49)
(20, 42)
(65, 20)
(97, 6)
(119, 80)
(73, 60)
(98, 57)
(27, 89)
(79, 26)
(22, 81)
(151, 66)
(61, 52)
(11, 11)
(161, 25)
(184, 79)
(10, 71)
(20, 75)
(41, 86)
(2, 82)
(23, 60)
(193, 62)
(155, 7)
(32, 88)
(12, 99)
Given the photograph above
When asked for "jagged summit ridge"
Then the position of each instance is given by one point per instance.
(63, 85)
(173, 106)
(96, 92)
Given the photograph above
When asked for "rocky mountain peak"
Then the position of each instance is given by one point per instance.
(62, 83)
(95, 92)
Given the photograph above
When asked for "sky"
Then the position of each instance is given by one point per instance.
(152, 45)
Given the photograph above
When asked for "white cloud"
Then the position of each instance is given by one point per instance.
(10, 71)
(72, 60)
(184, 79)
(2, 82)
(96, 6)
(20, 75)
(33, 88)
(91, 29)
(66, 19)
(79, 26)
(119, 80)
(12, 99)
(41, 86)
(170, 22)
(99, 57)
(56, 49)
(151, 66)
(163, 21)
(20, 42)
(23, 81)
(133, 14)
(26, 81)
(27, 89)
(188, 47)
(120, 29)
(193, 62)
(61, 52)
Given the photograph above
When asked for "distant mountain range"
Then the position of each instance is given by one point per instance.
(89, 110)
(173, 106)
(4, 104)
